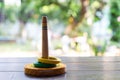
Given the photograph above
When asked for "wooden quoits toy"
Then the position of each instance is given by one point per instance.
(45, 66)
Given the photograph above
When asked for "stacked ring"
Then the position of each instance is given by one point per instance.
(47, 63)
(43, 65)
(50, 60)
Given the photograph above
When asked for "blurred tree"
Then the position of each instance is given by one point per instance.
(72, 13)
(69, 12)
(1, 10)
(32, 10)
(25, 11)
(10, 13)
(75, 14)
(24, 15)
(75, 21)
(114, 23)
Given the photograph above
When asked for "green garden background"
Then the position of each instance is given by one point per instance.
(76, 27)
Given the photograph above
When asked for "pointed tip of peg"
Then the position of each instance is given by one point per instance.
(44, 19)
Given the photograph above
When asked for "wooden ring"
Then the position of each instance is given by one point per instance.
(30, 70)
(43, 65)
(50, 60)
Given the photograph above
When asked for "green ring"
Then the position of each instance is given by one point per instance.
(43, 65)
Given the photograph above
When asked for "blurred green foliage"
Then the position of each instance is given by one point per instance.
(33, 10)
(11, 13)
(114, 23)
(61, 10)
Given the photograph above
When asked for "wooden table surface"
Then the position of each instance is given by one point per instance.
(78, 68)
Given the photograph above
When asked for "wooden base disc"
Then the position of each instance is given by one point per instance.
(30, 70)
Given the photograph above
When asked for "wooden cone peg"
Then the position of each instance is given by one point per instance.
(46, 66)
(44, 38)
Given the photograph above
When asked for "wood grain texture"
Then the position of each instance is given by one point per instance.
(78, 68)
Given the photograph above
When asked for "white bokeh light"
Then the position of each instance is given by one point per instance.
(12, 2)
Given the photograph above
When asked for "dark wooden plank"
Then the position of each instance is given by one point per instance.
(21, 75)
(11, 67)
(90, 59)
(6, 75)
(65, 59)
(70, 75)
(75, 75)
(78, 68)
(93, 75)
(70, 66)
(11, 60)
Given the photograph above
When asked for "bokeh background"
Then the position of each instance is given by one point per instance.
(76, 27)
